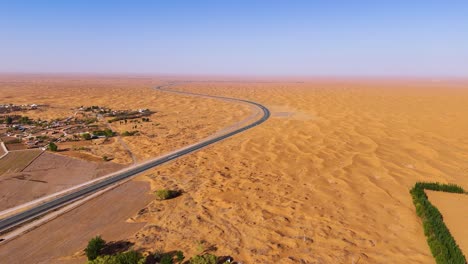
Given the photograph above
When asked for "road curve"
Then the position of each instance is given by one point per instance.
(13, 221)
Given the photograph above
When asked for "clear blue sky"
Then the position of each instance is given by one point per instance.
(349, 37)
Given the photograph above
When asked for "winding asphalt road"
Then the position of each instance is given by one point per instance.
(9, 223)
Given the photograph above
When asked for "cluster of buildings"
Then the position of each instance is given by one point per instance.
(114, 115)
(84, 124)
(10, 108)
(37, 134)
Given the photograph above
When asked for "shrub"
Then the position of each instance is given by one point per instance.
(165, 194)
(86, 136)
(158, 254)
(204, 259)
(90, 121)
(179, 256)
(95, 245)
(128, 133)
(129, 257)
(53, 146)
(106, 259)
(166, 259)
(441, 242)
(106, 133)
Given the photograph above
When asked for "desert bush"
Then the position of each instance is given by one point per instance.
(204, 259)
(86, 136)
(158, 254)
(166, 259)
(106, 133)
(53, 146)
(128, 133)
(440, 240)
(179, 256)
(169, 258)
(90, 120)
(106, 259)
(165, 194)
(95, 245)
(129, 257)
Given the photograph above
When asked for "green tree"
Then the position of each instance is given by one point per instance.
(9, 120)
(94, 248)
(86, 136)
(53, 146)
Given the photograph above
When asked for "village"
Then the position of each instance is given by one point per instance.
(18, 131)
(9, 108)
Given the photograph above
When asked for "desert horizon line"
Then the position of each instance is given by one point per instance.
(298, 77)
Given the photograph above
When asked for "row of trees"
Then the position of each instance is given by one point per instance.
(97, 133)
(442, 244)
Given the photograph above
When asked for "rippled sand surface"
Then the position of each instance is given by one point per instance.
(325, 180)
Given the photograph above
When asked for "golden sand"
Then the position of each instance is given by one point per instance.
(179, 120)
(325, 180)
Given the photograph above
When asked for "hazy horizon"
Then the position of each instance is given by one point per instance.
(246, 38)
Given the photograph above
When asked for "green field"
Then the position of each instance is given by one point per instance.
(16, 161)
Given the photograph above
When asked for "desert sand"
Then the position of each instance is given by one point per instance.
(325, 180)
(179, 120)
(454, 210)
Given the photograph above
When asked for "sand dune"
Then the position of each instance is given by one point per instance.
(325, 180)
(325, 183)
